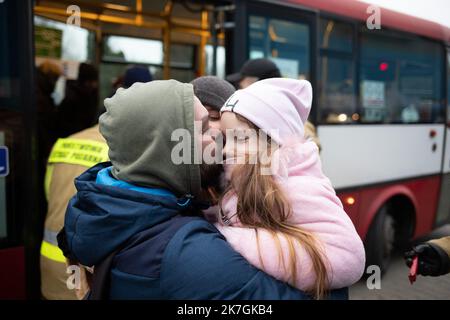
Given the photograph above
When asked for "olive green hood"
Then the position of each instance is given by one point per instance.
(138, 126)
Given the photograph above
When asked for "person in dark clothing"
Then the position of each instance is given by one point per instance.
(132, 75)
(79, 109)
(254, 70)
(47, 75)
(145, 205)
(136, 74)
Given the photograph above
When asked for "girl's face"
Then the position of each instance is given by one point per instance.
(241, 141)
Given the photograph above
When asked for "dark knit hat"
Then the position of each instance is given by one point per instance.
(136, 74)
(212, 91)
(261, 68)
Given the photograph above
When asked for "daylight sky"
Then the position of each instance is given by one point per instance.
(435, 10)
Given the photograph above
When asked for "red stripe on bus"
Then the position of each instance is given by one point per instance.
(423, 194)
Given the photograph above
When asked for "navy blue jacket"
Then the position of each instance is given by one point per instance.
(164, 253)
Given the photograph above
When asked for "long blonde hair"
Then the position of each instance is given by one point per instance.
(261, 203)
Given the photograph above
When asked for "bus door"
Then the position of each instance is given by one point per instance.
(443, 213)
(281, 33)
(17, 177)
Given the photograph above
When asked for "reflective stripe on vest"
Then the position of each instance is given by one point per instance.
(79, 151)
(50, 249)
(82, 152)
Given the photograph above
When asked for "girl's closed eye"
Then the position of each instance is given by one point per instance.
(244, 135)
(239, 139)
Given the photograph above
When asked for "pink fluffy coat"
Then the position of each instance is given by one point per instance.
(316, 208)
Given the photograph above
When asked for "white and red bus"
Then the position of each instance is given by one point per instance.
(381, 99)
(381, 107)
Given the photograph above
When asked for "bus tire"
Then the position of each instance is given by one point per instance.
(380, 239)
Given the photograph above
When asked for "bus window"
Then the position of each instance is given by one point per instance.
(182, 62)
(220, 62)
(64, 45)
(336, 36)
(121, 52)
(146, 51)
(400, 79)
(286, 43)
(59, 40)
(336, 73)
(182, 56)
(132, 50)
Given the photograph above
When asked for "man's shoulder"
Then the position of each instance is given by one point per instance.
(143, 253)
(199, 263)
(194, 233)
(193, 236)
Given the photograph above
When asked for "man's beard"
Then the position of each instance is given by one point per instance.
(212, 177)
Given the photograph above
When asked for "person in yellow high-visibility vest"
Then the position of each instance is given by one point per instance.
(69, 158)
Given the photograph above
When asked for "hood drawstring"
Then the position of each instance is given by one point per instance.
(185, 201)
(188, 200)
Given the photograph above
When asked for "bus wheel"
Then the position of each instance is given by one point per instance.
(380, 240)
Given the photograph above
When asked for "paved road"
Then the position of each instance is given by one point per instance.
(395, 284)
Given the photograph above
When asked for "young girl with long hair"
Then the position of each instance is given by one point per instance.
(280, 211)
